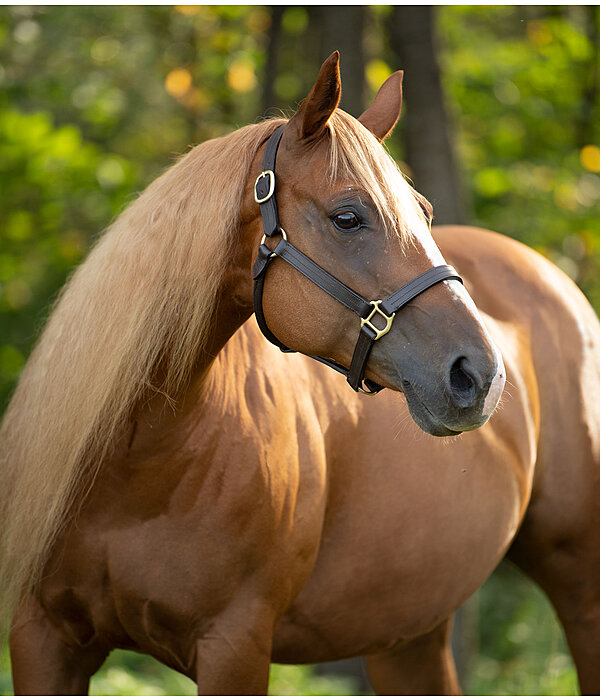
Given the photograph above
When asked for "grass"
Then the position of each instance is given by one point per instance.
(126, 673)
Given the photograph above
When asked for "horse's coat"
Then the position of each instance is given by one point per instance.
(270, 512)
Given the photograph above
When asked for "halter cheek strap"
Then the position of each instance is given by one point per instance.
(376, 317)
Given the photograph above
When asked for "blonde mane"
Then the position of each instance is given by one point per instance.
(144, 297)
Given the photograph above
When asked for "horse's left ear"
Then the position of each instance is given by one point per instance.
(314, 112)
(381, 117)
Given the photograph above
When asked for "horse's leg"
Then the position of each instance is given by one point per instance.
(231, 666)
(43, 662)
(581, 623)
(558, 544)
(234, 656)
(424, 666)
(569, 573)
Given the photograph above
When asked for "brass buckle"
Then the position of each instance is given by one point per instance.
(271, 175)
(379, 332)
(367, 393)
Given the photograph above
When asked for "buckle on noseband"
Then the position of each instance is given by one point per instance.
(271, 175)
(379, 332)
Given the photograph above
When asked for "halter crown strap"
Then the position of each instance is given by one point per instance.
(376, 316)
(264, 187)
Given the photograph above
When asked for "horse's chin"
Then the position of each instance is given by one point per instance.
(426, 419)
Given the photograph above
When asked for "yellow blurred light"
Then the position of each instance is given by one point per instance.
(17, 293)
(590, 158)
(178, 82)
(539, 33)
(105, 49)
(542, 178)
(224, 40)
(188, 10)
(197, 100)
(241, 76)
(592, 244)
(110, 173)
(259, 20)
(565, 197)
(288, 86)
(294, 20)
(377, 73)
(72, 246)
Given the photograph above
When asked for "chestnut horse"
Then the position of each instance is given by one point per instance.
(173, 484)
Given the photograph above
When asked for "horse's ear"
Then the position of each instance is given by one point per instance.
(381, 117)
(314, 112)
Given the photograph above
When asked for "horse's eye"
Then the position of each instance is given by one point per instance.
(346, 221)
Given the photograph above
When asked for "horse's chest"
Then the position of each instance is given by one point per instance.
(405, 543)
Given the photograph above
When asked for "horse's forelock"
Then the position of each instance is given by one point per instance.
(355, 153)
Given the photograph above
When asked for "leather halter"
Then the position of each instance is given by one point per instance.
(370, 313)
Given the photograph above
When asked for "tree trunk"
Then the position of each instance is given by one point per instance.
(269, 97)
(341, 28)
(425, 124)
(585, 125)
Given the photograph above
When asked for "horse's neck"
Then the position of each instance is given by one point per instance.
(213, 374)
(231, 368)
(234, 306)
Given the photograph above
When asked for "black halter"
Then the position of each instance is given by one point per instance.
(368, 311)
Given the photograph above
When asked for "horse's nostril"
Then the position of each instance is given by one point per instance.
(462, 384)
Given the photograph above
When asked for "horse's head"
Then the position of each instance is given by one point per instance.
(344, 204)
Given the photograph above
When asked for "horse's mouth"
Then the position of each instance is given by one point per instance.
(422, 416)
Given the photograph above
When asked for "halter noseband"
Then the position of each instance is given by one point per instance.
(368, 311)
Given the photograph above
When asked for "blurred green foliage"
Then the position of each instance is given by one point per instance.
(519, 647)
(523, 84)
(96, 101)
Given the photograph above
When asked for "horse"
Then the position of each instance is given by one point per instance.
(174, 484)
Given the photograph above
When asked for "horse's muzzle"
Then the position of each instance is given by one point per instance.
(463, 400)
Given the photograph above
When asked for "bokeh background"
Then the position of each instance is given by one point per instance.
(500, 128)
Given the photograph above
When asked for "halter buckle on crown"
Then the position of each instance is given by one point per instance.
(271, 175)
(379, 332)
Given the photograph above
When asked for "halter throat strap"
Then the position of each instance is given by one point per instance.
(376, 317)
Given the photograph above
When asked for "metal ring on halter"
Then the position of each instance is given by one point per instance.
(367, 393)
(283, 235)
